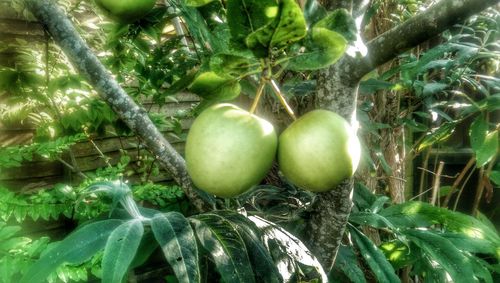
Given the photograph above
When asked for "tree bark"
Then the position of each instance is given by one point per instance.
(337, 91)
(136, 118)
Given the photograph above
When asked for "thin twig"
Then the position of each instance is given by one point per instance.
(469, 164)
(282, 99)
(437, 182)
(260, 90)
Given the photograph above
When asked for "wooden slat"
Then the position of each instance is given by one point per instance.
(32, 170)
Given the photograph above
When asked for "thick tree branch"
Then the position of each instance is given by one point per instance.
(430, 23)
(337, 91)
(89, 66)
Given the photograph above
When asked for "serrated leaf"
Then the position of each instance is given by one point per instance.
(212, 87)
(488, 149)
(120, 250)
(323, 47)
(76, 248)
(290, 249)
(444, 253)
(178, 243)
(382, 269)
(260, 257)
(197, 3)
(226, 246)
(477, 132)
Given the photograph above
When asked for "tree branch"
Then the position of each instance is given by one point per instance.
(433, 21)
(337, 91)
(136, 118)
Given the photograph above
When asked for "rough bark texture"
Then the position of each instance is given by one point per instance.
(88, 65)
(337, 91)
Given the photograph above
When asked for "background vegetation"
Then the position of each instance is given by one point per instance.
(424, 199)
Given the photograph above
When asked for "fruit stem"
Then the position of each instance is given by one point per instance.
(260, 90)
(282, 99)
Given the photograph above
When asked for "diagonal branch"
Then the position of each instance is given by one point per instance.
(430, 23)
(337, 91)
(136, 118)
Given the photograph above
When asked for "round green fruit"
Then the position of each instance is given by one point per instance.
(318, 151)
(228, 150)
(126, 11)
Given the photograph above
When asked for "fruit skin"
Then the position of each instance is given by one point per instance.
(318, 151)
(228, 150)
(126, 11)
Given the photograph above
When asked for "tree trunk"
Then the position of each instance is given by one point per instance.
(337, 91)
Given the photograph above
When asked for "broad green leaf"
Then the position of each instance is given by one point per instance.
(178, 243)
(398, 254)
(147, 246)
(437, 135)
(363, 198)
(264, 266)
(323, 47)
(444, 253)
(246, 16)
(348, 262)
(313, 12)
(488, 150)
(182, 83)
(197, 3)
(215, 88)
(220, 238)
(414, 214)
(481, 269)
(495, 177)
(477, 133)
(76, 248)
(120, 250)
(433, 88)
(470, 244)
(382, 269)
(340, 21)
(291, 26)
(233, 65)
(290, 250)
(493, 102)
(372, 85)
(370, 219)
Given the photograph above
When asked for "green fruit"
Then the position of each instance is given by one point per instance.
(126, 11)
(228, 150)
(318, 151)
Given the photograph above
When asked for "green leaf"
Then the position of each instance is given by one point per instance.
(246, 16)
(398, 253)
(233, 65)
(197, 3)
(342, 22)
(76, 248)
(444, 253)
(120, 250)
(477, 133)
(439, 134)
(495, 177)
(323, 47)
(220, 238)
(382, 269)
(470, 244)
(313, 12)
(419, 214)
(291, 26)
(370, 219)
(433, 88)
(348, 262)
(215, 88)
(178, 243)
(288, 249)
(260, 257)
(488, 150)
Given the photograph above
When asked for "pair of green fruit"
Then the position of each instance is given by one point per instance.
(229, 150)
